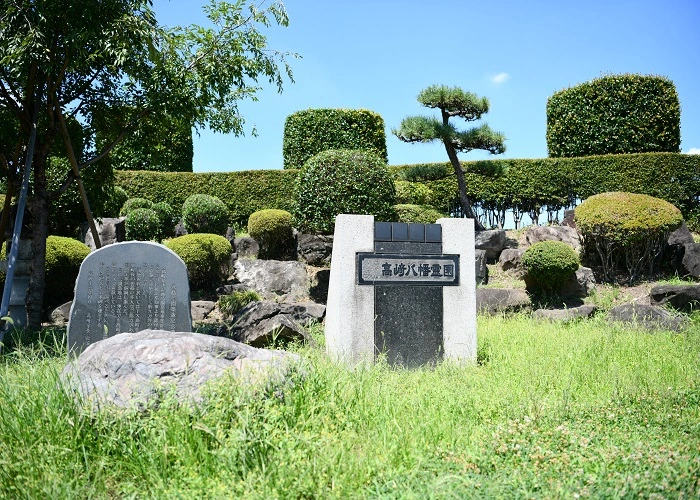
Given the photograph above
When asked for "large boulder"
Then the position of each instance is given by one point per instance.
(565, 315)
(492, 241)
(246, 247)
(675, 249)
(581, 283)
(646, 316)
(261, 323)
(684, 298)
(110, 230)
(690, 263)
(274, 279)
(315, 249)
(499, 300)
(568, 235)
(200, 309)
(135, 368)
(318, 288)
(511, 260)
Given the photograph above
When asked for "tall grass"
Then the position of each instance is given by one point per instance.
(551, 410)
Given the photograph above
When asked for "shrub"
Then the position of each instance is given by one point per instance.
(272, 229)
(205, 255)
(142, 224)
(548, 265)
(626, 229)
(414, 193)
(614, 114)
(231, 304)
(312, 131)
(423, 214)
(116, 199)
(343, 182)
(168, 219)
(134, 204)
(63, 259)
(203, 213)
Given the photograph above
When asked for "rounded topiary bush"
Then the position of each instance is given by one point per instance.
(343, 181)
(549, 265)
(202, 213)
(168, 218)
(117, 198)
(412, 193)
(626, 230)
(142, 224)
(206, 256)
(272, 229)
(63, 259)
(423, 214)
(134, 204)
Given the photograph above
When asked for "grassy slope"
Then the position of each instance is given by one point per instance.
(553, 410)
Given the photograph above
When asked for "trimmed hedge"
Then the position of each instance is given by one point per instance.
(549, 265)
(313, 131)
(206, 256)
(273, 230)
(242, 192)
(614, 114)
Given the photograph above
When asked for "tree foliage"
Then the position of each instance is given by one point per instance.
(453, 102)
(81, 58)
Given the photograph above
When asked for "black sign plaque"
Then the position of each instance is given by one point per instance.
(407, 269)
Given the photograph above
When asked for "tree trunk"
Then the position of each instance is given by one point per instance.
(39, 208)
(462, 185)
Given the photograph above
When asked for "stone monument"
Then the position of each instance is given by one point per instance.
(129, 287)
(404, 291)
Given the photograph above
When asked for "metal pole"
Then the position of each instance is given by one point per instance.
(19, 219)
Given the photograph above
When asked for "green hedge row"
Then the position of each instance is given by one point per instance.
(242, 192)
(613, 115)
(313, 131)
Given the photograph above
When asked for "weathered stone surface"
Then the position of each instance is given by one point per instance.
(684, 298)
(675, 250)
(572, 313)
(497, 300)
(315, 249)
(581, 284)
(681, 236)
(492, 241)
(565, 234)
(134, 368)
(318, 289)
(646, 316)
(246, 247)
(510, 260)
(110, 230)
(201, 309)
(260, 323)
(690, 264)
(61, 314)
(482, 272)
(569, 219)
(274, 279)
(129, 286)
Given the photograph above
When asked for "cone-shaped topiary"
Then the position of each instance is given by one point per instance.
(626, 229)
(549, 265)
(206, 256)
(272, 229)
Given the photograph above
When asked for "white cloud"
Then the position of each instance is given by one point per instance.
(693, 151)
(500, 78)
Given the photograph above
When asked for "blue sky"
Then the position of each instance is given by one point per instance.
(378, 54)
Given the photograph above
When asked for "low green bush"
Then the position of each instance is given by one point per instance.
(134, 204)
(203, 213)
(626, 229)
(423, 214)
(412, 193)
(343, 181)
(143, 224)
(206, 256)
(63, 259)
(273, 231)
(168, 218)
(549, 265)
(234, 302)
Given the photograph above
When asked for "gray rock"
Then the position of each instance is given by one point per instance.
(684, 298)
(690, 263)
(570, 314)
(581, 284)
(482, 272)
(675, 249)
(61, 314)
(260, 323)
(246, 247)
(201, 309)
(136, 368)
(492, 241)
(681, 236)
(274, 279)
(499, 300)
(569, 219)
(110, 230)
(646, 316)
(318, 289)
(565, 234)
(315, 249)
(510, 260)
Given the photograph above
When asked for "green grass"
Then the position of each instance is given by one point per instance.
(551, 411)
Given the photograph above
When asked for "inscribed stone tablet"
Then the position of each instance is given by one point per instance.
(129, 287)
